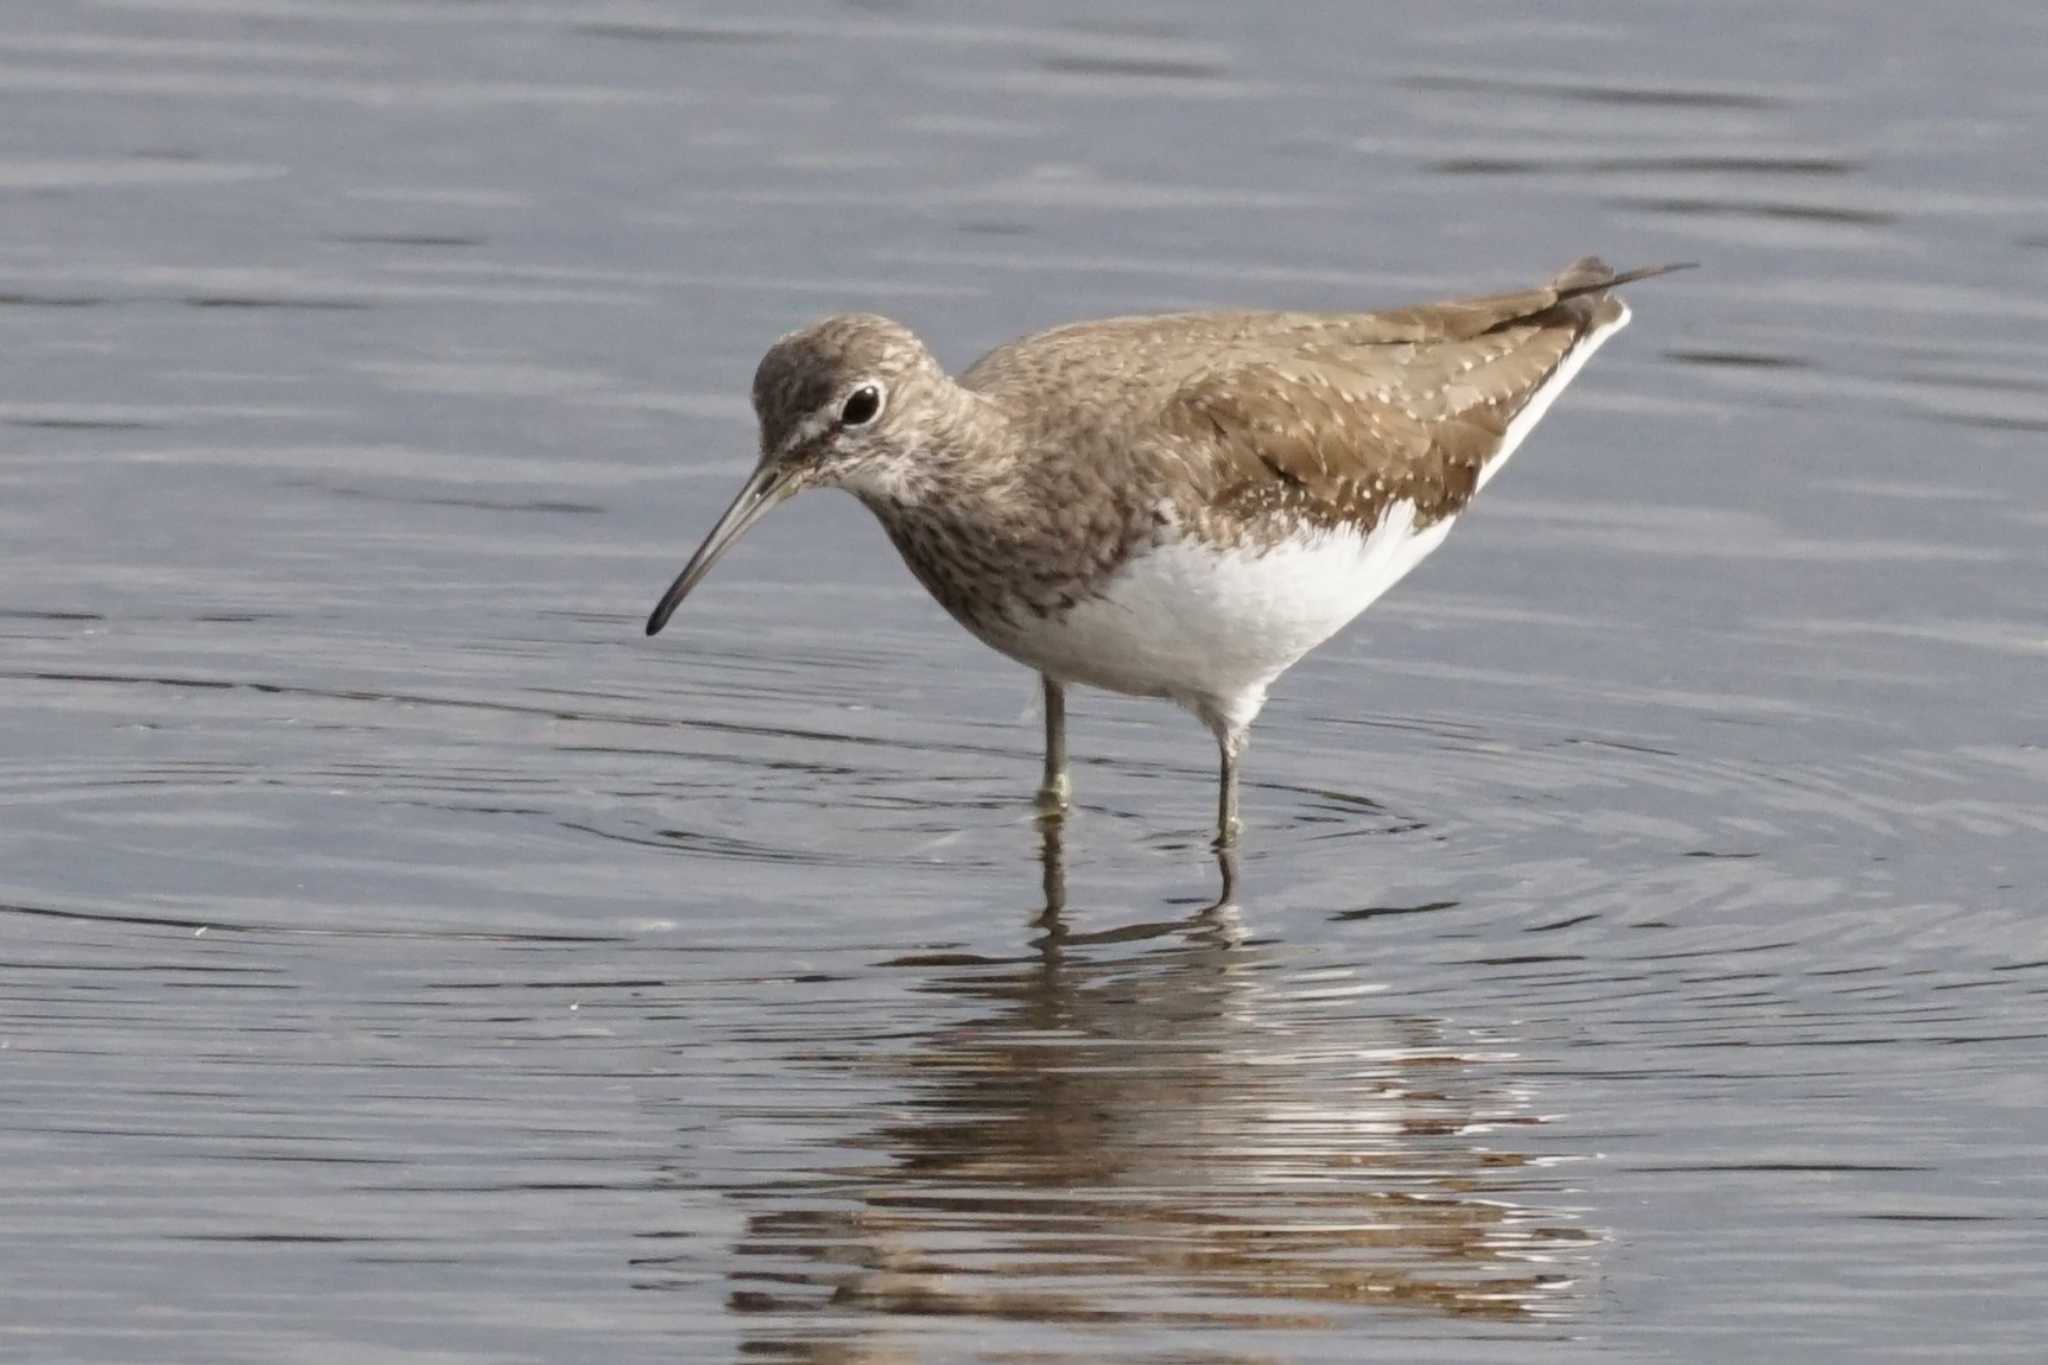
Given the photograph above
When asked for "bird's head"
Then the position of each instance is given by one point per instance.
(850, 402)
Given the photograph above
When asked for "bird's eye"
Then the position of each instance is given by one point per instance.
(861, 406)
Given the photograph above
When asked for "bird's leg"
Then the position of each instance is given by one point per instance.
(1229, 745)
(1054, 790)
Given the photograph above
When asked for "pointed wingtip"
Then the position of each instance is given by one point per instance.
(1591, 275)
(1652, 271)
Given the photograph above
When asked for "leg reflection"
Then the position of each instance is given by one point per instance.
(1218, 916)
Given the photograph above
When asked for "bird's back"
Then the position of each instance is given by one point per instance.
(1305, 415)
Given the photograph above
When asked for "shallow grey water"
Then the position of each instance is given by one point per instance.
(1639, 949)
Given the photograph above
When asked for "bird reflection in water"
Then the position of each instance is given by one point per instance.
(1168, 1124)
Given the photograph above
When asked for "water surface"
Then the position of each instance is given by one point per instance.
(1638, 947)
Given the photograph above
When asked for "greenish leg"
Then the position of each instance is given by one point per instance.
(1054, 791)
(1229, 745)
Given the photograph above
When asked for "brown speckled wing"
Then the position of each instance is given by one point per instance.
(1337, 431)
(1252, 422)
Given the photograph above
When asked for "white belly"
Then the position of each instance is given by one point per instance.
(1212, 629)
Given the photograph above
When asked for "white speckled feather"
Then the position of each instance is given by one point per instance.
(1560, 379)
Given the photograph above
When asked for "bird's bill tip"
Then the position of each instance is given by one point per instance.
(764, 488)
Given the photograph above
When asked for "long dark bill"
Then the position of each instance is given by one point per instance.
(764, 488)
